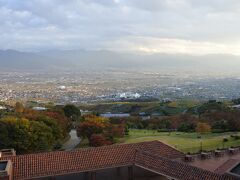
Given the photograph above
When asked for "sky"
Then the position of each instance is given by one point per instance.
(148, 26)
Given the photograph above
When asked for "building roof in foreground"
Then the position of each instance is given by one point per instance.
(229, 164)
(154, 156)
(175, 169)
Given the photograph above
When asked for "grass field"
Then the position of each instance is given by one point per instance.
(185, 142)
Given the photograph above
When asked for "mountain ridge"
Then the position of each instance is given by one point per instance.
(104, 59)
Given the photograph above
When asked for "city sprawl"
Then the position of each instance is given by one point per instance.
(75, 87)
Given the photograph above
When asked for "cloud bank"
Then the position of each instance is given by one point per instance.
(169, 26)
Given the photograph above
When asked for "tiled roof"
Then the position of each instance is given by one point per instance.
(229, 164)
(175, 169)
(63, 162)
(154, 156)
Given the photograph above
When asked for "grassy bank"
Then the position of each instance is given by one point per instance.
(185, 142)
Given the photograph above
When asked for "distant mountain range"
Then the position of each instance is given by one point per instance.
(82, 59)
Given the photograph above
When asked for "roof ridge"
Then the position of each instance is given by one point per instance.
(159, 141)
(85, 149)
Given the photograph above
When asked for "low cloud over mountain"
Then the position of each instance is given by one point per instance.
(102, 60)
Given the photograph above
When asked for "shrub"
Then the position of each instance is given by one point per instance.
(236, 137)
(163, 130)
(218, 131)
(225, 139)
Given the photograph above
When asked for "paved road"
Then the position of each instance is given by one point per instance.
(72, 142)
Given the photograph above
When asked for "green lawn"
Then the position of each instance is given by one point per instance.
(185, 142)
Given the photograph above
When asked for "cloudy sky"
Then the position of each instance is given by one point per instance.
(169, 26)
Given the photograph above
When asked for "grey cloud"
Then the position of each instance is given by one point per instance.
(108, 3)
(95, 24)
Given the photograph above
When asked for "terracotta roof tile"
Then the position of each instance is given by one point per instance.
(62, 162)
(155, 156)
(227, 166)
(175, 169)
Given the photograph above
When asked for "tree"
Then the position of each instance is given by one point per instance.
(98, 125)
(98, 140)
(87, 128)
(203, 128)
(165, 124)
(61, 120)
(42, 138)
(186, 127)
(118, 127)
(29, 135)
(4, 137)
(56, 130)
(221, 125)
(15, 134)
(19, 108)
(236, 101)
(212, 106)
(72, 112)
(30, 114)
(96, 119)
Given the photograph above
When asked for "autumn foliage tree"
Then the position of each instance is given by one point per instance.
(19, 108)
(96, 119)
(14, 133)
(98, 130)
(27, 130)
(98, 140)
(118, 127)
(203, 128)
(30, 114)
(42, 137)
(87, 128)
(24, 135)
(53, 125)
(56, 117)
(61, 119)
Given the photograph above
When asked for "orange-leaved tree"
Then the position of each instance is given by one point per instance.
(203, 128)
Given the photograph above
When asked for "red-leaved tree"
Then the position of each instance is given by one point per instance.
(98, 140)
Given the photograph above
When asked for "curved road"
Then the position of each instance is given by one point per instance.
(73, 141)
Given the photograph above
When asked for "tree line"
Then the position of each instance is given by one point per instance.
(27, 130)
(210, 116)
